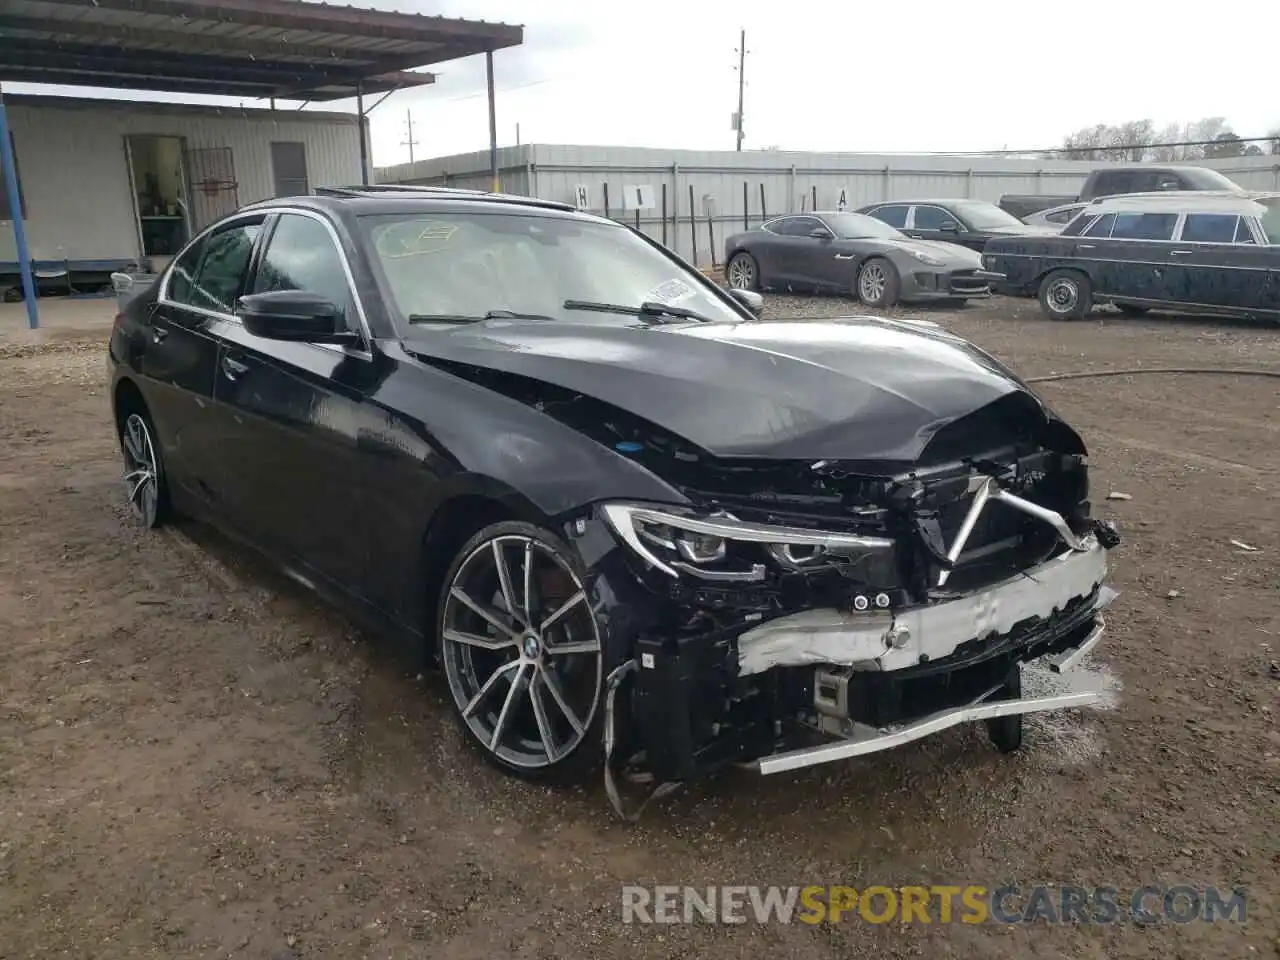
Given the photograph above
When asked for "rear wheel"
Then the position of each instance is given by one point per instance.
(522, 653)
(1066, 295)
(743, 273)
(144, 476)
(878, 283)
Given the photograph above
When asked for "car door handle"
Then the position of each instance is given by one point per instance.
(233, 368)
(158, 334)
(1086, 246)
(1181, 253)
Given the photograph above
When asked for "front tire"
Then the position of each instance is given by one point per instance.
(878, 283)
(522, 652)
(742, 272)
(146, 485)
(1006, 732)
(1066, 295)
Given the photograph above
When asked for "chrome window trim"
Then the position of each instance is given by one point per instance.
(1177, 225)
(162, 297)
(1255, 230)
(1099, 236)
(790, 216)
(1247, 221)
(1133, 263)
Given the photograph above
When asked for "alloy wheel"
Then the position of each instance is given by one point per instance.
(141, 469)
(742, 273)
(521, 651)
(871, 283)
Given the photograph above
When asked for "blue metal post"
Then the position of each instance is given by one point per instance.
(15, 208)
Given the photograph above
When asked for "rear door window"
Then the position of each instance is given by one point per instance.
(1079, 221)
(1144, 226)
(1102, 226)
(894, 214)
(1210, 228)
(933, 218)
(183, 275)
(799, 226)
(220, 278)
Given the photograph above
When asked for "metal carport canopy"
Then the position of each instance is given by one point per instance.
(286, 49)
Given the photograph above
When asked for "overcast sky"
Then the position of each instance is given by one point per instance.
(924, 75)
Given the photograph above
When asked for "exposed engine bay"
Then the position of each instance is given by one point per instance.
(853, 600)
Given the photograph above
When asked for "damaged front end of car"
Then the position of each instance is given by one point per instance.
(794, 613)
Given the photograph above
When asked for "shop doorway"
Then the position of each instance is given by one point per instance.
(158, 177)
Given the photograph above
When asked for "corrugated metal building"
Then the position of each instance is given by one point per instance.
(107, 181)
(734, 188)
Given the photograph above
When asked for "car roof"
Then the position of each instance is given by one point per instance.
(408, 199)
(940, 202)
(1074, 204)
(1182, 201)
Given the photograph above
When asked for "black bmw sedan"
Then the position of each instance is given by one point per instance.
(627, 519)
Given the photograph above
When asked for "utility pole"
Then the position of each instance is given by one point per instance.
(410, 143)
(742, 80)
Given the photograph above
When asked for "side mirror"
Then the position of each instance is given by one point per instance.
(293, 315)
(749, 299)
(820, 233)
(949, 226)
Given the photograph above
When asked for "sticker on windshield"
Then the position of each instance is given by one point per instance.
(671, 291)
(413, 238)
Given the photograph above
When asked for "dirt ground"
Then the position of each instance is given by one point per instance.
(197, 759)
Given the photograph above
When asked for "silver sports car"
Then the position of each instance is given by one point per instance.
(851, 253)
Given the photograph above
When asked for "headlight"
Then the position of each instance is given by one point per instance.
(721, 547)
(928, 258)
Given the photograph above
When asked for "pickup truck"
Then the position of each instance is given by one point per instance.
(1134, 178)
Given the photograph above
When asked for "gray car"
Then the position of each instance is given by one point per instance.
(850, 253)
(1054, 218)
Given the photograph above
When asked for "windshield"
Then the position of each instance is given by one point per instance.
(855, 226)
(982, 216)
(464, 265)
(1270, 218)
(1207, 179)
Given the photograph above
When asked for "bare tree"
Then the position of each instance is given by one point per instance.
(1138, 140)
(1127, 141)
(1135, 139)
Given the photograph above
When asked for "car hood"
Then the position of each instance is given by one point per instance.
(856, 388)
(952, 252)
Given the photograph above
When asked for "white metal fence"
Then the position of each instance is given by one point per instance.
(727, 190)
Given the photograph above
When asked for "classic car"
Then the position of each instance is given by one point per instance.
(1209, 252)
(635, 527)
